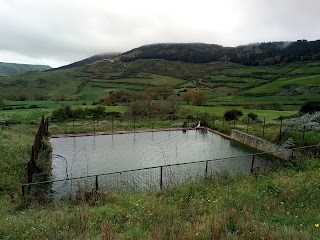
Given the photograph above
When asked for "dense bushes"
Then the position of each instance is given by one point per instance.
(310, 107)
(232, 114)
(66, 112)
(122, 96)
(197, 98)
(263, 106)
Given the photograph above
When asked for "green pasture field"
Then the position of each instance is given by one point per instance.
(42, 103)
(34, 115)
(219, 111)
(54, 83)
(258, 71)
(189, 85)
(153, 80)
(288, 100)
(286, 83)
(307, 69)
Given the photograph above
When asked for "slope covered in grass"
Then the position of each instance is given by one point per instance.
(279, 205)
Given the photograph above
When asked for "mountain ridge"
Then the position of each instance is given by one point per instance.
(10, 69)
(255, 54)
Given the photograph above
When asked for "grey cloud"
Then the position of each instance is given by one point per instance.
(67, 31)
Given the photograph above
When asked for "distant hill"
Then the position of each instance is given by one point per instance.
(95, 58)
(292, 74)
(258, 54)
(10, 69)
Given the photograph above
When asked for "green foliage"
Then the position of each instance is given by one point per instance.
(66, 112)
(252, 116)
(122, 96)
(263, 106)
(187, 96)
(232, 114)
(199, 98)
(310, 107)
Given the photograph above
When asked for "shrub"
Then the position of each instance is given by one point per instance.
(199, 98)
(252, 116)
(59, 114)
(263, 106)
(310, 107)
(232, 114)
(122, 96)
(66, 112)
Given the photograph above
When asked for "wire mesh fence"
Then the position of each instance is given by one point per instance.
(165, 176)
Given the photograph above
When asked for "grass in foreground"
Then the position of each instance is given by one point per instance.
(280, 205)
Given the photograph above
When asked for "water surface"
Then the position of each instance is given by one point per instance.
(91, 155)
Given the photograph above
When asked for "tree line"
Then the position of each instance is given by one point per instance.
(258, 54)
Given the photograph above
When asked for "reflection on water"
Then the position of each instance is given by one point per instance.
(91, 155)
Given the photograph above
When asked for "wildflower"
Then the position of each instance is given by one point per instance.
(317, 225)
(197, 234)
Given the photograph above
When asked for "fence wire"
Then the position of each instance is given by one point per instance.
(161, 177)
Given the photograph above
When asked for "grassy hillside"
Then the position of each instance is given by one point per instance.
(9, 69)
(223, 82)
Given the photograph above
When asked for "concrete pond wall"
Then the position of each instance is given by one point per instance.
(260, 144)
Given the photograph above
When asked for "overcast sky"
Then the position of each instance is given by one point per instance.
(58, 32)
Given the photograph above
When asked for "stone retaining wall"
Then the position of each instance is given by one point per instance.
(260, 144)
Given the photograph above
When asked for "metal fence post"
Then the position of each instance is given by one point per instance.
(206, 176)
(264, 125)
(252, 163)
(23, 190)
(97, 183)
(280, 131)
(161, 183)
(134, 123)
(205, 119)
(112, 123)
